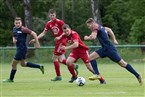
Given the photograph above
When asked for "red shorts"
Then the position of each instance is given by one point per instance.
(58, 45)
(57, 50)
(84, 55)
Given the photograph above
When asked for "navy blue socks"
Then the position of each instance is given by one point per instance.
(130, 69)
(95, 67)
(32, 65)
(12, 74)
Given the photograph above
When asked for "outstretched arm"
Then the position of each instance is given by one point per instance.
(39, 36)
(91, 37)
(110, 32)
(42, 34)
(59, 37)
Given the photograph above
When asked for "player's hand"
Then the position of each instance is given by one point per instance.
(32, 41)
(14, 41)
(63, 47)
(56, 39)
(37, 45)
(115, 42)
(86, 37)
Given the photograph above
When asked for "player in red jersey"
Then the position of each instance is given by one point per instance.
(55, 26)
(79, 49)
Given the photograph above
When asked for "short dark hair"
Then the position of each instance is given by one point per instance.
(51, 11)
(90, 20)
(17, 18)
(65, 26)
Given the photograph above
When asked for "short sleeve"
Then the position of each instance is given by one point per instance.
(26, 30)
(61, 23)
(75, 37)
(47, 26)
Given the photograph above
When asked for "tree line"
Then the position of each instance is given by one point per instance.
(125, 17)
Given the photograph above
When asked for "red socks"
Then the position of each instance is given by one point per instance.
(70, 68)
(57, 68)
(72, 71)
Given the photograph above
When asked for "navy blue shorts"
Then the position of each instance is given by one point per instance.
(111, 54)
(20, 54)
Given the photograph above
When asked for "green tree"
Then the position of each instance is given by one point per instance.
(137, 34)
(121, 15)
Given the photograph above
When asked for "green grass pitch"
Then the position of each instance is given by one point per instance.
(31, 83)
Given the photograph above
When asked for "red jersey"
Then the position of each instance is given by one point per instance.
(55, 27)
(73, 37)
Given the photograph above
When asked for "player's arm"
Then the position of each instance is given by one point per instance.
(72, 46)
(110, 32)
(42, 34)
(14, 40)
(59, 37)
(39, 36)
(36, 39)
(92, 36)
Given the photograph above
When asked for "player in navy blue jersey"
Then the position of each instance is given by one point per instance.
(19, 38)
(107, 48)
(94, 63)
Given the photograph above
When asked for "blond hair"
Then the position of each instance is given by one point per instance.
(90, 20)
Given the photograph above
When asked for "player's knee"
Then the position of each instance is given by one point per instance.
(23, 64)
(68, 63)
(122, 63)
(14, 66)
(60, 60)
(54, 59)
(88, 68)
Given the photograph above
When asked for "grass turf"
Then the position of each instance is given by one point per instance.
(31, 83)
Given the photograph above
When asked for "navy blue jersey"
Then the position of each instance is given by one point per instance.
(20, 35)
(108, 49)
(104, 39)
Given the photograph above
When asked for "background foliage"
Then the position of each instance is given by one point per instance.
(125, 17)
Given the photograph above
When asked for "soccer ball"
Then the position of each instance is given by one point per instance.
(80, 81)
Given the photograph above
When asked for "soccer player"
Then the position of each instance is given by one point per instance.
(19, 38)
(94, 63)
(55, 26)
(107, 48)
(79, 49)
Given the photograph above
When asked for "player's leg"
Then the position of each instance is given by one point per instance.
(114, 56)
(85, 57)
(32, 65)
(122, 63)
(56, 56)
(18, 56)
(70, 60)
(57, 68)
(95, 67)
(62, 59)
(13, 71)
(93, 56)
(93, 61)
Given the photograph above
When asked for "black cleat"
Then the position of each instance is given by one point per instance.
(102, 82)
(139, 78)
(42, 69)
(72, 79)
